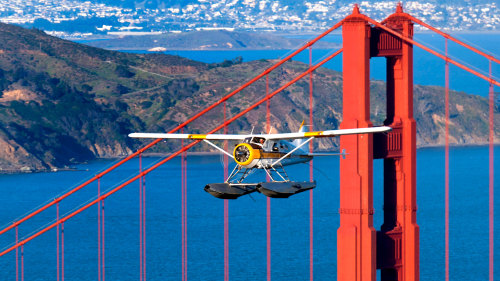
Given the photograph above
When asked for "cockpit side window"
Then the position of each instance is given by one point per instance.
(283, 145)
(260, 141)
(275, 147)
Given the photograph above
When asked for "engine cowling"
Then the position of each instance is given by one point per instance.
(246, 155)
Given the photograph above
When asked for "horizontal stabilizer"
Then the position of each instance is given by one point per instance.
(229, 191)
(343, 154)
(284, 189)
(326, 154)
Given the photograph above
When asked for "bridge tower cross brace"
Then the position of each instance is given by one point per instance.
(394, 249)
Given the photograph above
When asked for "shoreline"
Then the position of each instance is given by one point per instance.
(208, 153)
(166, 52)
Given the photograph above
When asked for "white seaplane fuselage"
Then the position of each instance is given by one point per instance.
(260, 153)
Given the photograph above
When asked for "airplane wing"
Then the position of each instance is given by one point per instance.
(285, 136)
(189, 136)
(329, 133)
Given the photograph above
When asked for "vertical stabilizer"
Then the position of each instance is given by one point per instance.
(302, 129)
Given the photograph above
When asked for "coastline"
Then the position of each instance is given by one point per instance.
(212, 153)
(145, 50)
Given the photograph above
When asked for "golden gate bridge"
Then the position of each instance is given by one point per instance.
(361, 250)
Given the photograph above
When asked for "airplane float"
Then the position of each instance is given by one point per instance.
(269, 152)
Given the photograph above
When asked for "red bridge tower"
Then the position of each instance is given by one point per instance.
(395, 248)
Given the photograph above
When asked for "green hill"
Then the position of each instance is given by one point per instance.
(60, 102)
(63, 103)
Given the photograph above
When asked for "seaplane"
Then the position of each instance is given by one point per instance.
(269, 152)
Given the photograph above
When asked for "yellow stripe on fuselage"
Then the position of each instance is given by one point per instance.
(278, 155)
(197, 137)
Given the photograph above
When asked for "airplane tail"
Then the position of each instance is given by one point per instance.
(302, 129)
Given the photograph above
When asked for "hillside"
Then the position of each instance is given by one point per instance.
(63, 103)
(60, 101)
(204, 40)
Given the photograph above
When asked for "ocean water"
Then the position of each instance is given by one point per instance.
(428, 69)
(247, 221)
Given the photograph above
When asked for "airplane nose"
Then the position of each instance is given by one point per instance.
(242, 153)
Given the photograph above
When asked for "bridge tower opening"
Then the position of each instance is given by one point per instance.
(394, 249)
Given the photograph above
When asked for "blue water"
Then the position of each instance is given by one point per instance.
(247, 217)
(428, 69)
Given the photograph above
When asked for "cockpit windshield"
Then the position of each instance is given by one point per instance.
(256, 140)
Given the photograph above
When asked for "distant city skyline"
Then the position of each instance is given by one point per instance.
(84, 18)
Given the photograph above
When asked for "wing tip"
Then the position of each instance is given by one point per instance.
(142, 135)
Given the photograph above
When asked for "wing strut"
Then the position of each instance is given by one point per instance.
(220, 149)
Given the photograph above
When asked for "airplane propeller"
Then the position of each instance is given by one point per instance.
(242, 153)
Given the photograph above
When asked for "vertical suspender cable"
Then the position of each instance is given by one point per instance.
(103, 246)
(268, 216)
(268, 238)
(100, 234)
(22, 262)
(140, 221)
(182, 210)
(491, 180)
(226, 208)
(185, 216)
(98, 230)
(311, 177)
(62, 251)
(184, 213)
(144, 226)
(17, 254)
(268, 107)
(57, 242)
(447, 167)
